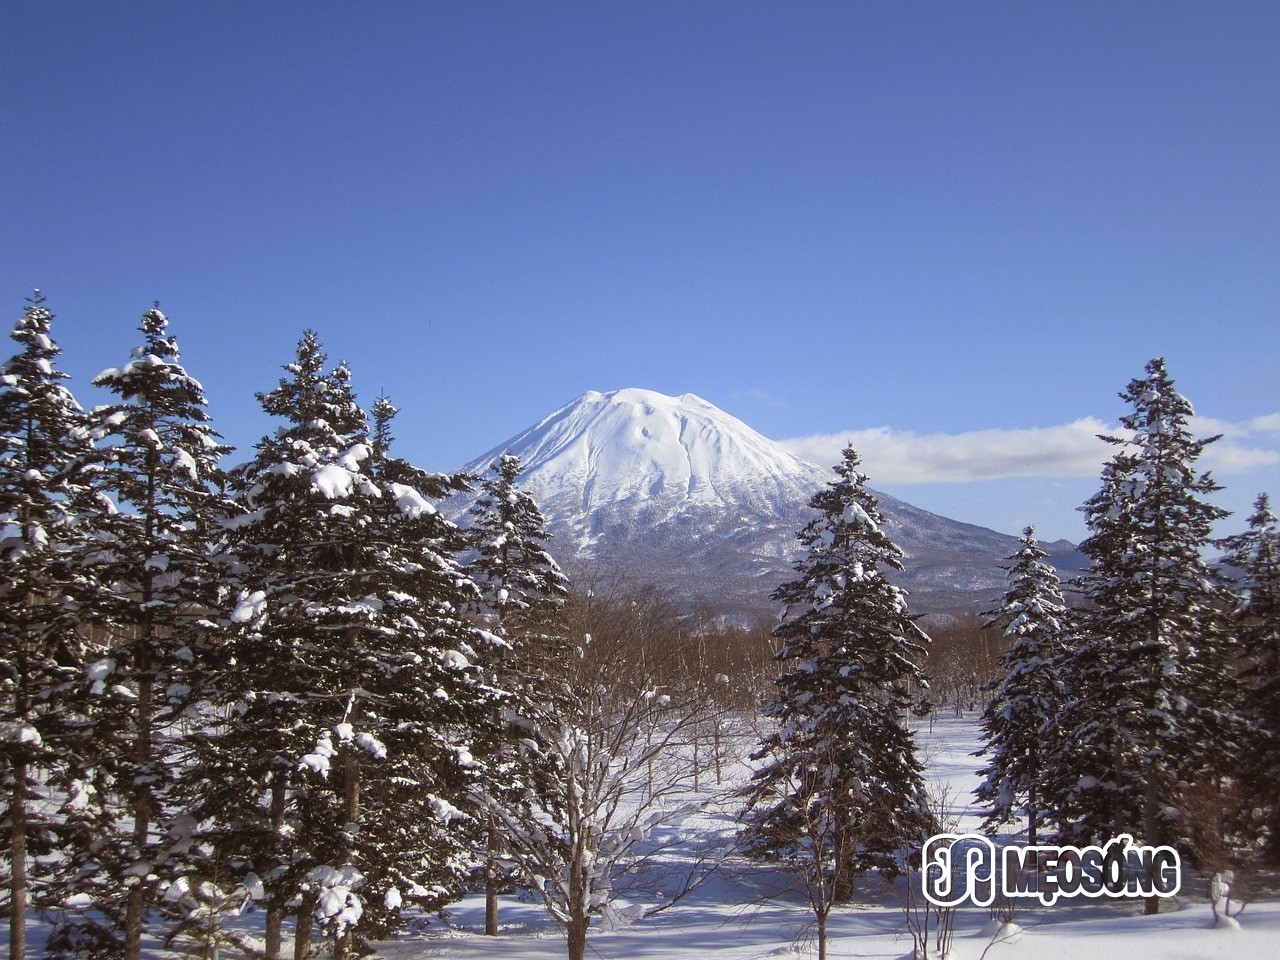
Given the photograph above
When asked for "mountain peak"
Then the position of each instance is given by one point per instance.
(639, 395)
(679, 493)
(657, 453)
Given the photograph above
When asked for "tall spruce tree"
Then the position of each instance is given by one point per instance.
(351, 687)
(155, 581)
(1154, 709)
(251, 812)
(842, 765)
(43, 442)
(522, 591)
(522, 585)
(433, 690)
(1256, 555)
(1019, 720)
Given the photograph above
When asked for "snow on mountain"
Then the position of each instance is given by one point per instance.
(674, 491)
(652, 456)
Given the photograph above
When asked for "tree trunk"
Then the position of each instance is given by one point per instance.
(351, 810)
(1031, 800)
(18, 871)
(143, 745)
(141, 805)
(133, 925)
(822, 936)
(576, 938)
(491, 880)
(302, 940)
(1273, 841)
(273, 936)
(715, 734)
(275, 905)
(579, 913)
(1150, 820)
(697, 738)
(1117, 822)
(342, 945)
(841, 869)
(842, 884)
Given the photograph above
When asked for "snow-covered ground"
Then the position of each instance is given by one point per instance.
(748, 911)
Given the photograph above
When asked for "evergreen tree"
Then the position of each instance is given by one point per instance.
(522, 591)
(351, 687)
(43, 439)
(246, 751)
(1153, 709)
(156, 580)
(434, 696)
(521, 582)
(1019, 720)
(842, 765)
(1256, 554)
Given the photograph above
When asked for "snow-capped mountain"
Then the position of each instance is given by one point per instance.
(674, 491)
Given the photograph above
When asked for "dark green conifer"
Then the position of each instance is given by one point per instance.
(1019, 721)
(155, 581)
(43, 444)
(352, 686)
(522, 592)
(1153, 708)
(1256, 555)
(841, 769)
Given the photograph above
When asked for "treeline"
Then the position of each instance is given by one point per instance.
(292, 684)
(1151, 707)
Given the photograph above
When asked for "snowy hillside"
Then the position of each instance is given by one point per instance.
(654, 456)
(675, 491)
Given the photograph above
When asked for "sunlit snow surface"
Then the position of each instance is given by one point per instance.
(639, 446)
(749, 911)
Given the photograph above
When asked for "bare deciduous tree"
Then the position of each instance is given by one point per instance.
(622, 752)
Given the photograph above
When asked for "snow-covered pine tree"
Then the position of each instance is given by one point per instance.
(842, 757)
(43, 440)
(1256, 555)
(432, 693)
(245, 752)
(351, 690)
(1153, 708)
(522, 585)
(1019, 721)
(156, 581)
(522, 589)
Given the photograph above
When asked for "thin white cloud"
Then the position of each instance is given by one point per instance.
(1068, 450)
(1243, 446)
(1270, 423)
(756, 395)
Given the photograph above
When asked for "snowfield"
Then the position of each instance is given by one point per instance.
(750, 911)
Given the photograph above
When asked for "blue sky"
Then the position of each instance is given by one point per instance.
(955, 230)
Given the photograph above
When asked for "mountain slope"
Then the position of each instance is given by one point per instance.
(676, 492)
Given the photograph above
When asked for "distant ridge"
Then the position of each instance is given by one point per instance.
(677, 492)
